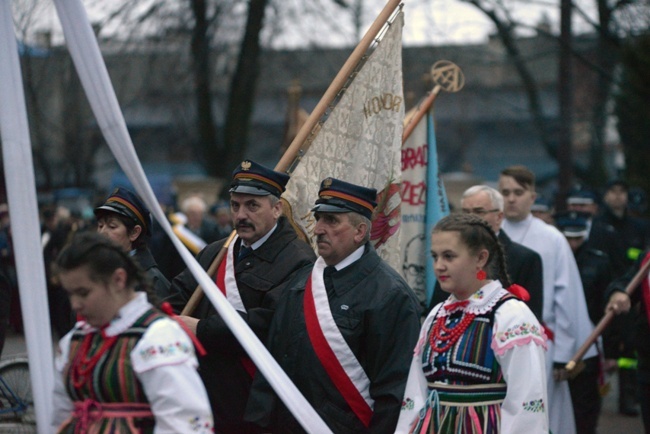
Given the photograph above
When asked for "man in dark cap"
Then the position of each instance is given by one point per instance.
(125, 220)
(265, 252)
(601, 236)
(345, 329)
(596, 272)
(634, 233)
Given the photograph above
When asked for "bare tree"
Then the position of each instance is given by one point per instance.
(613, 24)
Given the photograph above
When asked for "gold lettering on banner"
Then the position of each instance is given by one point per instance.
(385, 102)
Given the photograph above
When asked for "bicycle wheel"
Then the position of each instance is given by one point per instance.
(15, 374)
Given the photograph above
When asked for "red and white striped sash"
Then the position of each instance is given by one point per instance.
(332, 350)
(226, 279)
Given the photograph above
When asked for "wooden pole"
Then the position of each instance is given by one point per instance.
(336, 85)
(298, 141)
(197, 295)
(422, 109)
(609, 316)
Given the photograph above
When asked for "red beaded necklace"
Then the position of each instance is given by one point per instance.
(82, 365)
(451, 335)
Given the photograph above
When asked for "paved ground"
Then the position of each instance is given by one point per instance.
(610, 421)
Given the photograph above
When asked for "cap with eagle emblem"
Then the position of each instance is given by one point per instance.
(253, 178)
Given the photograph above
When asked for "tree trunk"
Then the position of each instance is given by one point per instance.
(242, 90)
(207, 131)
(565, 100)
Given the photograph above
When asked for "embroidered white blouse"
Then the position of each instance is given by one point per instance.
(173, 387)
(519, 345)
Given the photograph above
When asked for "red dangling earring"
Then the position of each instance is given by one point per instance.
(481, 274)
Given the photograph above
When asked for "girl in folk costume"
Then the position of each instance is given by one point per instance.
(479, 364)
(125, 367)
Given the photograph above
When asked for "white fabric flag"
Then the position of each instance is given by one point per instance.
(99, 90)
(414, 195)
(25, 226)
(360, 143)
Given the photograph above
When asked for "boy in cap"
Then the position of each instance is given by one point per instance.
(345, 329)
(125, 220)
(265, 252)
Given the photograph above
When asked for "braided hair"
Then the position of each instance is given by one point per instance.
(102, 257)
(477, 234)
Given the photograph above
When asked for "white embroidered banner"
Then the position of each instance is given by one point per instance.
(360, 142)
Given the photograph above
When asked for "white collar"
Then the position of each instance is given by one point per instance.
(521, 223)
(481, 301)
(257, 244)
(350, 259)
(126, 316)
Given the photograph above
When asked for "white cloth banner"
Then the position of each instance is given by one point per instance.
(360, 143)
(25, 226)
(414, 195)
(95, 80)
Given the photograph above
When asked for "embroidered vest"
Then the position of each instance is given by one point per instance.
(470, 360)
(113, 379)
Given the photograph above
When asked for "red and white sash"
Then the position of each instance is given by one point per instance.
(226, 279)
(332, 350)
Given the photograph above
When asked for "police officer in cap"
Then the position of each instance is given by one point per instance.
(349, 309)
(125, 220)
(596, 272)
(265, 252)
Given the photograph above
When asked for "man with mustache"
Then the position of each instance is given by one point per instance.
(345, 328)
(261, 258)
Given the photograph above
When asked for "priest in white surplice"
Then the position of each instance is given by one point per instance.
(565, 314)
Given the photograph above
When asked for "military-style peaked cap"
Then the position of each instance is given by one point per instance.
(252, 178)
(127, 203)
(339, 196)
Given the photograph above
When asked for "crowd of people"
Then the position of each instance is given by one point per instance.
(519, 289)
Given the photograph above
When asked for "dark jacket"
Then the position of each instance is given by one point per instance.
(259, 278)
(159, 282)
(634, 232)
(377, 314)
(596, 272)
(524, 267)
(641, 329)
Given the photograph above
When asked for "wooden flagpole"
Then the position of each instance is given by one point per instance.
(197, 295)
(336, 85)
(422, 109)
(296, 144)
(448, 77)
(609, 316)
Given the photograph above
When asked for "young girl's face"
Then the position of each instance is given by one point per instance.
(97, 302)
(455, 266)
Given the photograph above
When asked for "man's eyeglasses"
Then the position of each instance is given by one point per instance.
(479, 211)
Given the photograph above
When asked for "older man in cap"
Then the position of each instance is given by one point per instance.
(345, 329)
(125, 220)
(265, 252)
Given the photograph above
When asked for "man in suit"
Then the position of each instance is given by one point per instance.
(523, 264)
(345, 328)
(261, 259)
